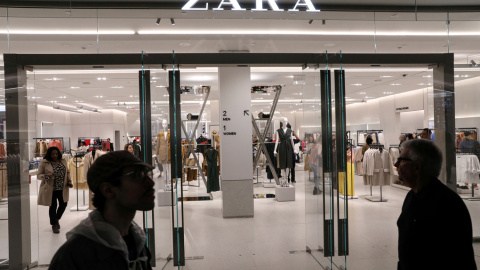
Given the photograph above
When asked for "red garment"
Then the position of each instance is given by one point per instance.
(56, 143)
(87, 142)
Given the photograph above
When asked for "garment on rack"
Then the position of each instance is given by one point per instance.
(163, 147)
(137, 150)
(468, 169)
(41, 147)
(350, 189)
(213, 184)
(377, 166)
(358, 160)
(285, 149)
(56, 143)
(3, 152)
(381, 138)
(76, 169)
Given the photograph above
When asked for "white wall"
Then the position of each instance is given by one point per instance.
(87, 124)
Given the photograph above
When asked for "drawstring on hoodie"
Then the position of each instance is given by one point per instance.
(137, 263)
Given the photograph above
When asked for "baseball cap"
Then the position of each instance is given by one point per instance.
(109, 167)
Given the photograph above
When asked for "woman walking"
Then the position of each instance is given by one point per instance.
(53, 171)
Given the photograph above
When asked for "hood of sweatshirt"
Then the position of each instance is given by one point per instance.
(95, 228)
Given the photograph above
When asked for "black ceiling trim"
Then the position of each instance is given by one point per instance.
(178, 5)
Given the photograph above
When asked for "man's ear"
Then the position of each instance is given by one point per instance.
(107, 190)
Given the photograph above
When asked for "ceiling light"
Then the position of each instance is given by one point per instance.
(172, 21)
(395, 84)
(387, 93)
(386, 76)
(456, 76)
(158, 21)
(90, 110)
(74, 87)
(310, 22)
(116, 87)
(357, 84)
(361, 93)
(427, 76)
(65, 109)
(66, 32)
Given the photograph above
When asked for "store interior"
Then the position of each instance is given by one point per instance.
(81, 103)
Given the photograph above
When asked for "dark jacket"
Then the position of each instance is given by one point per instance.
(435, 230)
(95, 244)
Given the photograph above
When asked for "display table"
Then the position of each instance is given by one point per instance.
(164, 198)
(285, 194)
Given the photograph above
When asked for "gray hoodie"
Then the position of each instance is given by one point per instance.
(95, 244)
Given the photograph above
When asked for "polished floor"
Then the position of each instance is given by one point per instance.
(275, 238)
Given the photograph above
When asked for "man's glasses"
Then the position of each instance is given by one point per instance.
(140, 175)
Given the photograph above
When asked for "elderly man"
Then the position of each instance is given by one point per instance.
(108, 238)
(434, 228)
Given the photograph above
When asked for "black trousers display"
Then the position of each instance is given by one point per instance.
(54, 213)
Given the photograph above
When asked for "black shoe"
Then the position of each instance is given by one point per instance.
(315, 190)
(55, 229)
(293, 181)
(58, 225)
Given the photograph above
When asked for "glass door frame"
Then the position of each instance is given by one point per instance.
(16, 66)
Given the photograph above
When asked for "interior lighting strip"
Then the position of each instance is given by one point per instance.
(302, 33)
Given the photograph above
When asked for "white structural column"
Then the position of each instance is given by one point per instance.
(236, 141)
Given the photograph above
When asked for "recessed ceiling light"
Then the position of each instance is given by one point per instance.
(74, 87)
(357, 84)
(395, 84)
(386, 76)
(465, 76)
(427, 76)
(116, 87)
(328, 44)
(387, 93)
(361, 93)
(184, 44)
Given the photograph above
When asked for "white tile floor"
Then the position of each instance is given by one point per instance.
(261, 242)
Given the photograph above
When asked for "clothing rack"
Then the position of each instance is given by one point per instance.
(371, 197)
(77, 207)
(478, 156)
(51, 138)
(93, 140)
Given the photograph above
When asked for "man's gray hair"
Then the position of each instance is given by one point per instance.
(426, 153)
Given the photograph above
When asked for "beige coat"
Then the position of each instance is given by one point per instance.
(46, 187)
(163, 147)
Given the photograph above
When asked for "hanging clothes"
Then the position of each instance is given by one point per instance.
(377, 166)
(350, 190)
(76, 169)
(285, 149)
(213, 184)
(56, 143)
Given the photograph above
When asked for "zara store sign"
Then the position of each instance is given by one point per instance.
(235, 5)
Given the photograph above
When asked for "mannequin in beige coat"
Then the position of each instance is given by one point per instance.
(52, 188)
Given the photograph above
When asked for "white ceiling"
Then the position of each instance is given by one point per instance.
(134, 31)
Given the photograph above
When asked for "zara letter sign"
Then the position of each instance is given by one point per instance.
(258, 7)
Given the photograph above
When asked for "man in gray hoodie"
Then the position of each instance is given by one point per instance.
(109, 238)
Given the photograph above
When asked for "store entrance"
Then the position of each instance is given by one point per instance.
(186, 103)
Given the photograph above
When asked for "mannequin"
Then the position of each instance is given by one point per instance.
(285, 151)
(163, 152)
